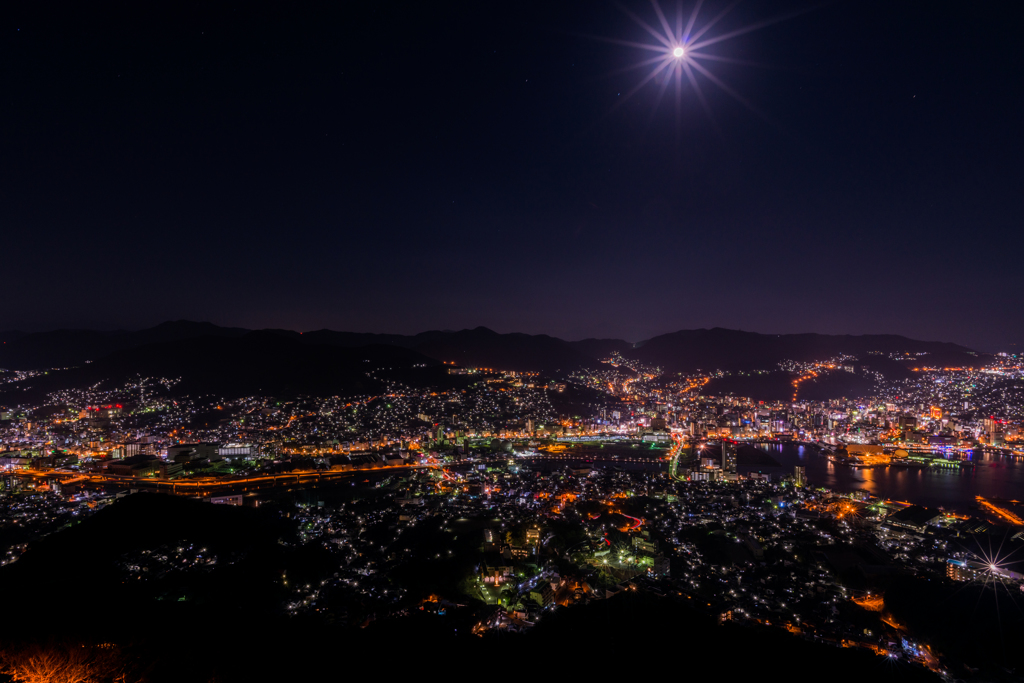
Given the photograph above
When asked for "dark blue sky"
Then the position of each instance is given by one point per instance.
(396, 168)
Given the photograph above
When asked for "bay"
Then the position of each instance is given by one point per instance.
(993, 476)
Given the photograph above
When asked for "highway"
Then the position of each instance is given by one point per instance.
(676, 451)
(210, 485)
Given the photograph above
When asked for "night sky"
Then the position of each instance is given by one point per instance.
(395, 167)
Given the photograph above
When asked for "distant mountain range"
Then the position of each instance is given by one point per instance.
(721, 349)
(69, 348)
(213, 358)
(479, 347)
(683, 351)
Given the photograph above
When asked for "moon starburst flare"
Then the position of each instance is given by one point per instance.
(679, 49)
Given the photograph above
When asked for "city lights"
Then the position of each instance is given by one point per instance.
(617, 488)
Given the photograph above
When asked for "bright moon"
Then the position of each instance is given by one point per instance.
(678, 52)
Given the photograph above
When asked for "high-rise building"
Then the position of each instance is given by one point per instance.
(995, 432)
(800, 475)
(728, 458)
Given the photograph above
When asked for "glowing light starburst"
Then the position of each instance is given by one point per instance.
(997, 580)
(681, 51)
(995, 563)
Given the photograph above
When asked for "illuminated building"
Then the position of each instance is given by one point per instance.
(543, 595)
(135, 466)
(959, 570)
(969, 570)
(226, 500)
(915, 518)
(168, 469)
(186, 452)
(728, 458)
(995, 432)
(643, 545)
(236, 450)
(800, 475)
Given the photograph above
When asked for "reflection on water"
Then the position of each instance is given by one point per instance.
(623, 464)
(993, 476)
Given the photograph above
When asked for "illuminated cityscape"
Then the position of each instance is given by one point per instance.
(576, 340)
(496, 498)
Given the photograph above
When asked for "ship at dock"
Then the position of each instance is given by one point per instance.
(864, 456)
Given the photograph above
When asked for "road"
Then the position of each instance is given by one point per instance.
(676, 452)
(210, 485)
(637, 523)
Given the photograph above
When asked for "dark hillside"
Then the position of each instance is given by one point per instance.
(482, 347)
(68, 348)
(721, 349)
(601, 348)
(257, 363)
